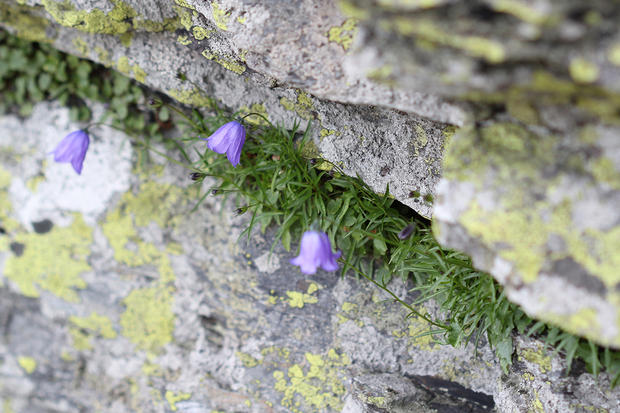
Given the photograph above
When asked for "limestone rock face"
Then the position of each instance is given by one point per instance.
(130, 302)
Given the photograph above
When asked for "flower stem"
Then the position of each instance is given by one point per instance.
(394, 296)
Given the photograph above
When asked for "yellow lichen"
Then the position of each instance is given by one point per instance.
(84, 327)
(614, 54)
(538, 357)
(344, 34)
(303, 107)
(352, 10)
(297, 299)
(220, 16)
(247, 360)
(148, 320)
(121, 20)
(226, 62)
(200, 33)
(81, 46)
(258, 108)
(27, 26)
(193, 97)
(174, 397)
(123, 65)
(409, 4)
(583, 71)
(52, 261)
(184, 39)
(7, 407)
(184, 3)
(8, 223)
(29, 364)
(488, 49)
(521, 10)
(316, 387)
(537, 406)
(138, 73)
(603, 170)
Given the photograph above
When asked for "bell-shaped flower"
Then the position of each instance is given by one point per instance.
(316, 251)
(228, 139)
(73, 149)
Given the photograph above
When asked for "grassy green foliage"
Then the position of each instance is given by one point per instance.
(280, 182)
(33, 72)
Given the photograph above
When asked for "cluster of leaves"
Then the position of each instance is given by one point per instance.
(33, 72)
(281, 182)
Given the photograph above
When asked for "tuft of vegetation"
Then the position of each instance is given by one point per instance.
(34, 72)
(282, 182)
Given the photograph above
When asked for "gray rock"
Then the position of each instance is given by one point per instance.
(242, 56)
(531, 188)
(540, 211)
(135, 304)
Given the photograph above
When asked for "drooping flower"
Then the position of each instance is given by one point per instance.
(73, 149)
(228, 139)
(316, 251)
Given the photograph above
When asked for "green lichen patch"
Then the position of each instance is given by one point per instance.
(227, 62)
(487, 49)
(192, 97)
(299, 299)
(9, 224)
(415, 331)
(344, 34)
(520, 223)
(538, 357)
(148, 320)
(583, 71)
(316, 384)
(523, 10)
(303, 107)
(29, 364)
(174, 397)
(52, 261)
(546, 89)
(25, 24)
(152, 203)
(220, 16)
(84, 328)
(258, 108)
(120, 20)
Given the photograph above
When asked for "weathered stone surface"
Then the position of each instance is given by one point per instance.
(132, 303)
(485, 48)
(538, 210)
(252, 58)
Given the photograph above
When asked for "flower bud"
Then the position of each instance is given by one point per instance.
(406, 232)
(195, 176)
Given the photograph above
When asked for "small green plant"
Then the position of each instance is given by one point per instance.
(33, 72)
(281, 182)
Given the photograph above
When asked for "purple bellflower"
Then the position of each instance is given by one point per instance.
(73, 149)
(316, 251)
(228, 139)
